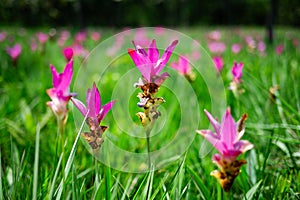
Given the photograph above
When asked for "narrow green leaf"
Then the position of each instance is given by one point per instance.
(199, 182)
(36, 163)
(252, 191)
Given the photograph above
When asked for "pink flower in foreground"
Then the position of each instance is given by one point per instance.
(279, 49)
(227, 140)
(218, 61)
(216, 47)
(14, 52)
(94, 110)
(236, 48)
(60, 93)
(237, 71)
(68, 53)
(149, 63)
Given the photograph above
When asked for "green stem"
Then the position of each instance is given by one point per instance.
(148, 131)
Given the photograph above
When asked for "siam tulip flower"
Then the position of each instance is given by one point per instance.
(14, 52)
(261, 47)
(279, 49)
(79, 50)
(236, 48)
(64, 36)
(250, 43)
(227, 141)
(33, 45)
(216, 47)
(237, 71)
(2, 36)
(183, 67)
(214, 35)
(95, 36)
(95, 114)
(60, 93)
(141, 38)
(68, 53)
(149, 63)
(80, 37)
(159, 30)
(218, 61)
(42, 37)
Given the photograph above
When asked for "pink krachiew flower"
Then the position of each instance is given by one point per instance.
(68, 53)
(216, 47)
(182, 66)
(237, 71)
(14, 52)
(218, 61)
(227, 136)
(149, 63)
(94, 110)
(60, 93)
(42, 37)
(279, 49)
(236, 48)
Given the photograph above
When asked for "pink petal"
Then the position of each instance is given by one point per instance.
(55, 76)
(166, 56)
(228, 130)
(160, 79)
(213, 122)
(243, 146)
(153, 52)
(79, 105)
(66, 78)
(93, 101)
(105, 110)
(213, 139)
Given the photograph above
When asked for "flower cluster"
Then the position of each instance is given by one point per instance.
(150, 66)
(227, 140)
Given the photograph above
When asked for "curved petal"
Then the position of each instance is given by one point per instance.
(66, 78)
(93, 101)
(79, 105)
(166, 56)
(153, 52)
(213, 139)
(55, 76)
(160, 79)
(213, 122)
(105, 110)
(243, 146)
(228, 130)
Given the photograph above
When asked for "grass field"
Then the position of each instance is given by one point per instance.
(39, 162)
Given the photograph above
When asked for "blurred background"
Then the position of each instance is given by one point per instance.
(120, 13)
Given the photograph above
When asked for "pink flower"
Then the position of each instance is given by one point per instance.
(80, 37)
(237, 71)
(149, 63)
(42, 37)
(94, 110)
(60, 93)
(236, 48)
(216, 47)
(218, 61)
(261, 47)
(279, 49)
(2, 36)
(214, 35)
(159, 30)
(68, 53)
(227, 136)
(227, 140)
(14, 52)
(250, 42)
(95, 36)
(33, 45)
(182, 66)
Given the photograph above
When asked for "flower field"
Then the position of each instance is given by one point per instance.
(149, 113)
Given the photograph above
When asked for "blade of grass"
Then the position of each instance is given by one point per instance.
(159, 186)
(252, 191)
(203, 189)
(55, 176)
(147, 192)
(140, 187)
(107, 182)
(36, 163)
(125, 194)
(70, 161)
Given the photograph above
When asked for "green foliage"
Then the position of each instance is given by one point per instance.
(32, 165)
